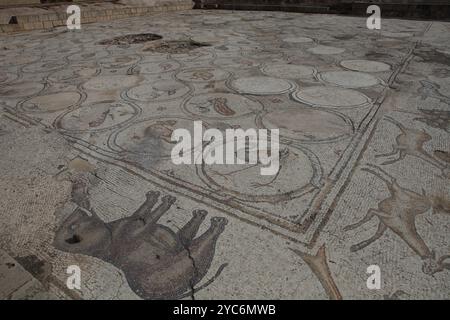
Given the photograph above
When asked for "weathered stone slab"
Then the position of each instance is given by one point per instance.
(32, 18)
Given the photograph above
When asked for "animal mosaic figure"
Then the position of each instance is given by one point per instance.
(284, 154)
(431, 90)
(157, 262)
(398, 213)
(112, 110)
(162, 130)
(395, 295)
(411, 142)
(220, 105)
(165, 66)
(101, 119)
(438, 119)
(442, 155)
(319, 265)
(202, 75)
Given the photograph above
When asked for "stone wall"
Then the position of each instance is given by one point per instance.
(16, 19)
(434, 9)
(33, 2)
(17, 2)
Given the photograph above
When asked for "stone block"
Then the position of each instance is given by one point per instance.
(12, 275)
(47, 24)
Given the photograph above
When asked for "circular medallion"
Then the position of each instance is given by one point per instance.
(262, 85)
(296, 175)
(331, 97)
(51, 102)
(207, 39)
(236, 63)
(202, 75)
(20, 89)
(157, 91)
(326, 50)
(97, 116)
(298, 40)
(193, 56)
(308, 124)
(158, 67)
(114, 82)
(6, 77)
(365, 65)
(261, 54)
(3, 76)
(73, 74)
(27, 58)
(287, 71)
(397, 34)
(89, 54)
(150, 140)
(120, 61)
(349, 79)
(44, 66)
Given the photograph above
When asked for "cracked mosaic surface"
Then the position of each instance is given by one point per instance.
(86, 175)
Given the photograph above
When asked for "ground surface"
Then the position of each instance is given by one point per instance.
(365, 127)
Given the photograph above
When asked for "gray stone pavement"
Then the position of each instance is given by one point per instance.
(86, 177)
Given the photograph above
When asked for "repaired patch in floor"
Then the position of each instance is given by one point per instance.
(131, 39)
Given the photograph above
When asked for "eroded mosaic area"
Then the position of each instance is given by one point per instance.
(364, 120)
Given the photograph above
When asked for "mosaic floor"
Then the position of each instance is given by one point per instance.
(87, 179)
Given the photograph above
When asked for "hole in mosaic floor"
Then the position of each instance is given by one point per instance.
(180, 46)
(74, 239)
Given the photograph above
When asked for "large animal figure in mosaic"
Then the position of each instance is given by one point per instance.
(157, 262)
(398, 213)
